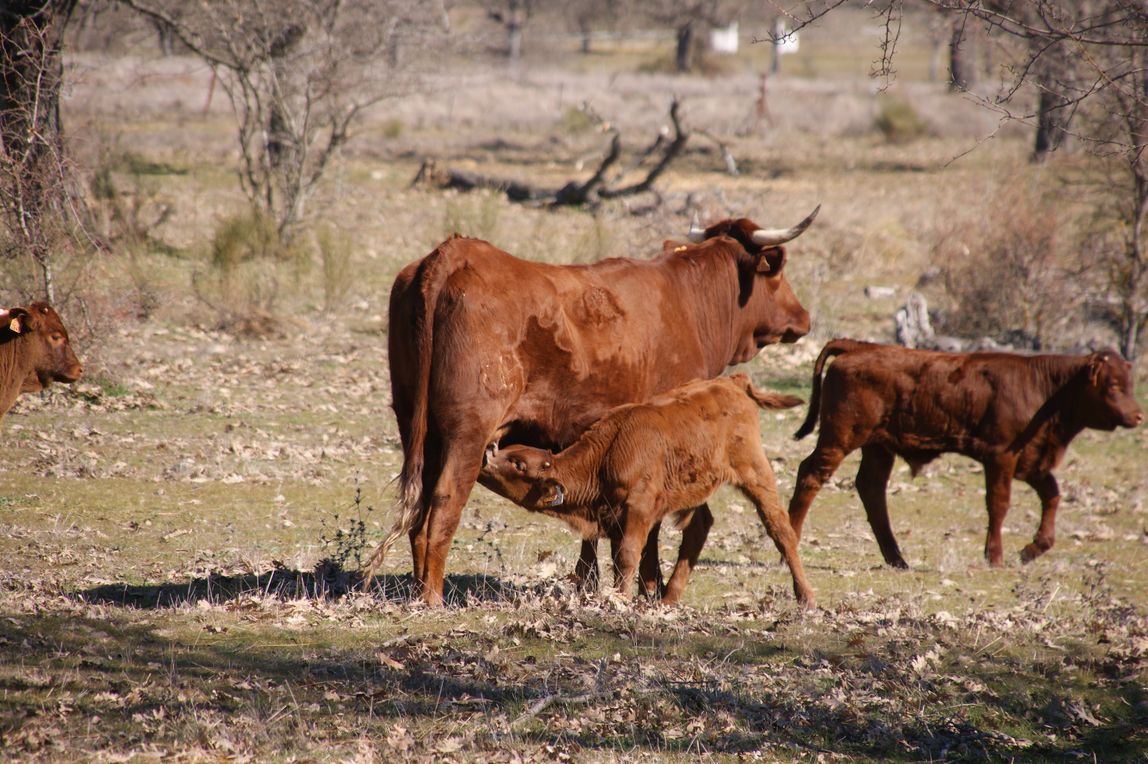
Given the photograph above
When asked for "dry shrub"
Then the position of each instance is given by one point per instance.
(244, 280)
(898, 121)
(473, 215)
(334, 245)
(1009, 272)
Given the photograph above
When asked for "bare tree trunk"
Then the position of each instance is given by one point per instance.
(1052, 121)
(514, 19)
(962, 69)
(684, 55)
(33, 182)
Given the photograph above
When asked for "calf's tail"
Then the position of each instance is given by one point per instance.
(766, 399)
(831, 349)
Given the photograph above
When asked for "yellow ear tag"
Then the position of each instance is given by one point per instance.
(14, 325)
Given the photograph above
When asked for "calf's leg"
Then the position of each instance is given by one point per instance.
(815, 469)
(998, 487)
(1049, 493)
(586, 569)
(693, 539)
(872, 480)
(650, 583)
(761, 489)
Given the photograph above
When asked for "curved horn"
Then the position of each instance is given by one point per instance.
(697, 234)
(771, 237)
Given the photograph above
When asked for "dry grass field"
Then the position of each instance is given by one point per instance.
(165, 520)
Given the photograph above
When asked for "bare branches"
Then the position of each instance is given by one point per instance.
(37, 200)
(298, 74)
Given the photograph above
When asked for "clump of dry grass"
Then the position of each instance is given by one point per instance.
(1009, 270)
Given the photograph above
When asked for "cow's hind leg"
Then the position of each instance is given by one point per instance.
(1049, 493)
(462, 459)
(761, 489)
(872, 480)
(815, 469)
(693, 539)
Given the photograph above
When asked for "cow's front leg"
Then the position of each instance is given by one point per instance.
(1049, 493)
(998, 487)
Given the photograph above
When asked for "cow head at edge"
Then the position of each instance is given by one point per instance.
(760, 261)
(40, 323)
(1110, 379)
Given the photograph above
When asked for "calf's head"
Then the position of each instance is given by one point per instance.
(522, 474)
(1108, 402)
(44, 340)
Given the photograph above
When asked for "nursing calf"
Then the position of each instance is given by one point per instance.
(1014, 414)
(641, 462)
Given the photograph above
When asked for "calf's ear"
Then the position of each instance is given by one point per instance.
(553, 493)
(15, 321)
(1096, 364)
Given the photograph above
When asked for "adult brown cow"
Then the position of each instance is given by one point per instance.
(484, 347)
(34, 352)
(1014, 414)
(644, 461)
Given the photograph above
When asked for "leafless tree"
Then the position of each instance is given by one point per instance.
(1074, 69)
(36, 199)
(512, 15)
(298, 74)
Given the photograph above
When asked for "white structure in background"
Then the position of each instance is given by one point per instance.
(787, 42)
(724, 39)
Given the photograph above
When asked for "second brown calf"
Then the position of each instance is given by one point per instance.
(642, 462)
(1014, 414)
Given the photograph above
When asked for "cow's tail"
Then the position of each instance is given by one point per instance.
(831, 349)
(429, 279)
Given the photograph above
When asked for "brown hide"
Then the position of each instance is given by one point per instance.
(1014, 414)
(644, 461)
(34, 352)
(486, 347)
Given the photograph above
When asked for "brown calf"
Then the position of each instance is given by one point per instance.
(1014, 414)
(34, 352)
(641, 462)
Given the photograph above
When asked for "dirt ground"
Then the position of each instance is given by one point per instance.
(167, 519)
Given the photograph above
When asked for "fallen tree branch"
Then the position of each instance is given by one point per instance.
(573, 193)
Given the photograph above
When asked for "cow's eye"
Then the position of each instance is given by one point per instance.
(518, 465)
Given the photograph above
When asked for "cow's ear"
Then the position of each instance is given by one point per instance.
(772, 261)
